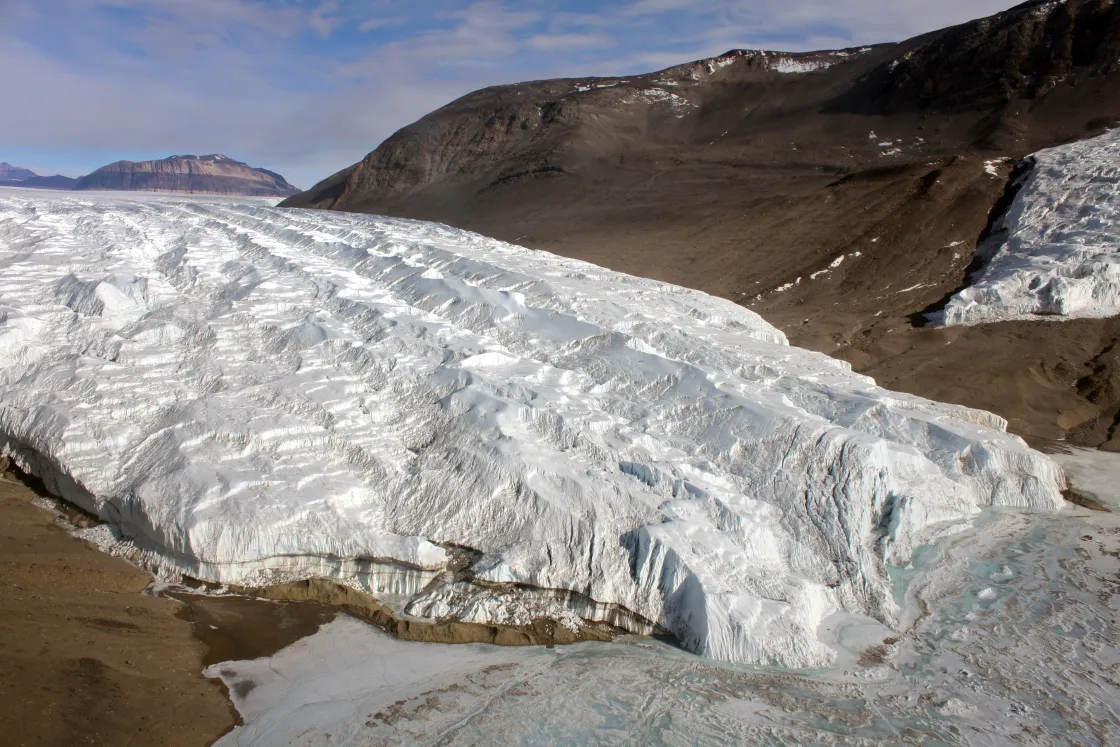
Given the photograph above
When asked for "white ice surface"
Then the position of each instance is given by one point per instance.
(1056, 253)
(1016, 646)
(1092, 471)
(250, 394)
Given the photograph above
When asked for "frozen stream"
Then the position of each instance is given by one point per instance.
(1019, 647)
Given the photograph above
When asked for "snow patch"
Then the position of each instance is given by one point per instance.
(660, 96)
(791, 65)
(991, 168)
(832, 266)
(1092, 471)
(718, 63)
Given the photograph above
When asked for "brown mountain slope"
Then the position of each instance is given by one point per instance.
(740, 174)
(214, 174)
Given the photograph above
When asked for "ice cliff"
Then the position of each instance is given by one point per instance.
(250, 394)
(1056, 251)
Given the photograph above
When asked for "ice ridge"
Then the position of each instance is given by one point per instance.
(251, 394)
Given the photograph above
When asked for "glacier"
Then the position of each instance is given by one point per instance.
(250, 395)
(1055, 253)
(1012, 643)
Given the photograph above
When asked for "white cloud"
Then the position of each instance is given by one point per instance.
(280, 18)
(477, 37)
(373, 24)
(323, 20)
(556, 42)
(800, 21)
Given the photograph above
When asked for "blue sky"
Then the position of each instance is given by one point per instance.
(306, 87)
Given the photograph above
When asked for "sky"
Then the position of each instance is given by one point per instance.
(308, 87)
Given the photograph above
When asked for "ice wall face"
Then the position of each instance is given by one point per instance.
(1057, 250)
(254, 394)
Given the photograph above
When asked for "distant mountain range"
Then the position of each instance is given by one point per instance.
(17, 176)
(213, 174)
(10, 173)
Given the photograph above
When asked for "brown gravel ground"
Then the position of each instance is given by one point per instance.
(85, 658)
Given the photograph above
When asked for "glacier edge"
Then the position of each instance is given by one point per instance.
(1055, 254)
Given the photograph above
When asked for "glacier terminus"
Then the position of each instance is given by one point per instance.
(249, 395)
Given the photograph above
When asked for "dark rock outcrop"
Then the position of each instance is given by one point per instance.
(1021, 55)
(214, 174)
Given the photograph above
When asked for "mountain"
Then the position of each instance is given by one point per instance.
(839, 193)
(48, 182)
(10, 173)
(14, 176)
(213, 174)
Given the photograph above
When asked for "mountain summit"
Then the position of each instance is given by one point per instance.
(213, 174)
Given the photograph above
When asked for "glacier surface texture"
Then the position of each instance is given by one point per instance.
(1056, 252)
(253, 395)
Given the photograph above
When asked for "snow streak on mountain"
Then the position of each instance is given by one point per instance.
(252, 395)
(1056, 252)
